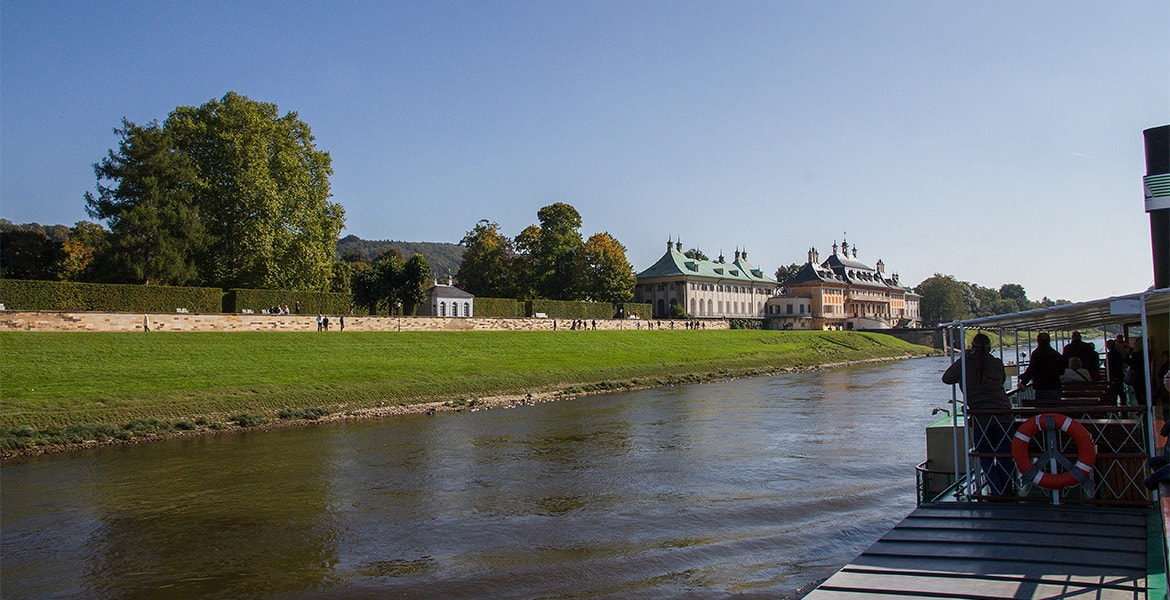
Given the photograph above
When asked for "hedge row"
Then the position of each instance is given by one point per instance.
(643, 310)
(311, 303)
(499, 307)
(25, 294)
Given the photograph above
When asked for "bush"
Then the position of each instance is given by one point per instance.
(310, 414)
(246, 420)
(23, 294)
(144, 427)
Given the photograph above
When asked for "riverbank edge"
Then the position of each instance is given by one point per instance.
(566, 391)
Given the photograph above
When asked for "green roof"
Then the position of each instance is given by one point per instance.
(675, 263)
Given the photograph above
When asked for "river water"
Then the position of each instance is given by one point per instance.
(746, 488)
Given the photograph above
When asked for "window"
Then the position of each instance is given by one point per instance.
(789, 309)
(442, 309)
(467, 309)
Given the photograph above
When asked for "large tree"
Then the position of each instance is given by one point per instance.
(557, 266)
(608, 275)
(943, 300)
(229, 194)
(416, 274)
(376, 287)
(266, 199)
(784, 274)
(148, 193)
(486, 269)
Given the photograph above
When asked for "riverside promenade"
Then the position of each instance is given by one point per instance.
(162, 322)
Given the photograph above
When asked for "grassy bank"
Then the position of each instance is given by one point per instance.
(73, 387)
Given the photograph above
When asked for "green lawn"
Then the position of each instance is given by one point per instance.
(57, 380)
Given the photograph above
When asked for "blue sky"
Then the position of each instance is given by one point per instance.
(999, 142)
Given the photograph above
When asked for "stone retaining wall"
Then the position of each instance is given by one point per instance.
(95, 321)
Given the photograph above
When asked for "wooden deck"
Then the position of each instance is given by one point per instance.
(988, 550)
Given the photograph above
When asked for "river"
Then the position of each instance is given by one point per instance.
(746, 488)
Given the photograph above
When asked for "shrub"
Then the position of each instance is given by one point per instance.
(246, 420)
(144, 427)
(310, 414)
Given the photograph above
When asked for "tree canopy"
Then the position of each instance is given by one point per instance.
(548, 260)
(487, 261)
(946, 299)
(227, 194)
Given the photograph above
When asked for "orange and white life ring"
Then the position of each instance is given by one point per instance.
(1074, 473)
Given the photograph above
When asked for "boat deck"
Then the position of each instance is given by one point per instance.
(990, 550)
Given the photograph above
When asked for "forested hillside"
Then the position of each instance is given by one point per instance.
(443, 257)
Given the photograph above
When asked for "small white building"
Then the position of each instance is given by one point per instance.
(788, 312)
(448, 301)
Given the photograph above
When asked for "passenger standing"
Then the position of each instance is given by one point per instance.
(989, 408)
(1085, 351)
(1044, 370)
(1114, 372)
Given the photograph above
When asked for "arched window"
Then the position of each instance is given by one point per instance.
(710, 307)
(442, 309)
(467, 309)
(693, 307)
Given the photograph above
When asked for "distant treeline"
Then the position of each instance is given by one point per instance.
(443, 257)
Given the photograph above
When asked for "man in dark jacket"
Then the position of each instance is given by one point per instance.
(989, 408)
(1085, 351)
(1044, 370)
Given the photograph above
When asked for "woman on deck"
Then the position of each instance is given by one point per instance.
(984, 392)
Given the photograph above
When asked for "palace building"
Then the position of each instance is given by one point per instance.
(707, 289)
(841, 292)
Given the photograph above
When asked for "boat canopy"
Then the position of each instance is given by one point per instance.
(1117, 310)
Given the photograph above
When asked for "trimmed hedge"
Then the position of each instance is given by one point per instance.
(324, 303)
(643, 310)
(25, 294)
(499, 307)
(567, 309)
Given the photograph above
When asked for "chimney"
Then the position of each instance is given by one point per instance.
(813, 257)
(737, 255)
(845, 248)
(881, 266)
(678, 245)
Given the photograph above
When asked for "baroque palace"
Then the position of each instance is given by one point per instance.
(704, 289)
(840, 292)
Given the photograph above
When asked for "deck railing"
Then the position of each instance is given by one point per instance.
(1120, 434)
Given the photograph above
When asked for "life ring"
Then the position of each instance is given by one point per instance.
(1074, 473)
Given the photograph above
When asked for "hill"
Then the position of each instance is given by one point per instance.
(444, 257)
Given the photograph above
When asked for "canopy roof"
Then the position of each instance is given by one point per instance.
(1118, 310)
